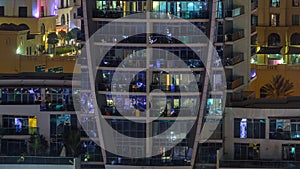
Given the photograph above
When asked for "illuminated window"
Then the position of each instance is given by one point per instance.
(249, 128)
(274, 20)
(275, 3)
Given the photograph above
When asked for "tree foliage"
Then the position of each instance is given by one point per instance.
(278, 87)
(62, 35)
(52, 38)
(38, 145)
(71, 139)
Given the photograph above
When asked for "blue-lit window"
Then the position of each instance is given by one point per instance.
(249, 128)
(253, 74)
(220, 9)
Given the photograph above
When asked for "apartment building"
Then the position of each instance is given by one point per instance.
(275, 47)
(261, 133)
(226, 24)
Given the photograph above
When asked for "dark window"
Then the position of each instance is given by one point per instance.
(63, 20)
(295, 19)
(42, 29)
(295, 3)
(22, 11)
(237, 128)
(245, 151)
(295, 39)
(68, 19)
(1, 10)
(274, 40)
(42, 14)
(62, 5)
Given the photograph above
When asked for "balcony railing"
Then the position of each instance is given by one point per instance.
(235, 35)
(237, 58)
(19, 131)
(259, 164)
(181, 14)
(285, 135)
(112, 13)
(236, 82)
(235, 12)
(36, 160)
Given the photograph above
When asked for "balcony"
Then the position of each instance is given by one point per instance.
(236, 58)
(237, 11)
(35, 160)
(181, 15)
(175, 88)
(19, 131)
(234, 35)
(284, 135)
(219, 38)
(235, 82)
(258, 164)
(112, 13)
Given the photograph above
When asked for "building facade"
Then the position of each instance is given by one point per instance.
(222, 22)
(276, 44)
(261, 134)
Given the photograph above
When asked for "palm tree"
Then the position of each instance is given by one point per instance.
(52, 40)
(278, 87)
(62, 35)
(71, 139)
(74, 34)
(38, 144)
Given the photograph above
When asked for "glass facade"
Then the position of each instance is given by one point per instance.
(284, 129)
(246, 151)
(164, 9)
(49, 99)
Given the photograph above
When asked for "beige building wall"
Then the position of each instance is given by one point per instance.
(285, 30)
(270, 149)
(265, 74)
(14, 58)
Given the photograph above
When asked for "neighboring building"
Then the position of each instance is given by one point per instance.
(20, 53)
(67, 14)
(226, 23)
(27, 162)
(38, 15)
(262, 133)
(34, 103)
(277, 43)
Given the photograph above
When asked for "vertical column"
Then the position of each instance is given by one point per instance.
(267, 128)
(148, 80)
